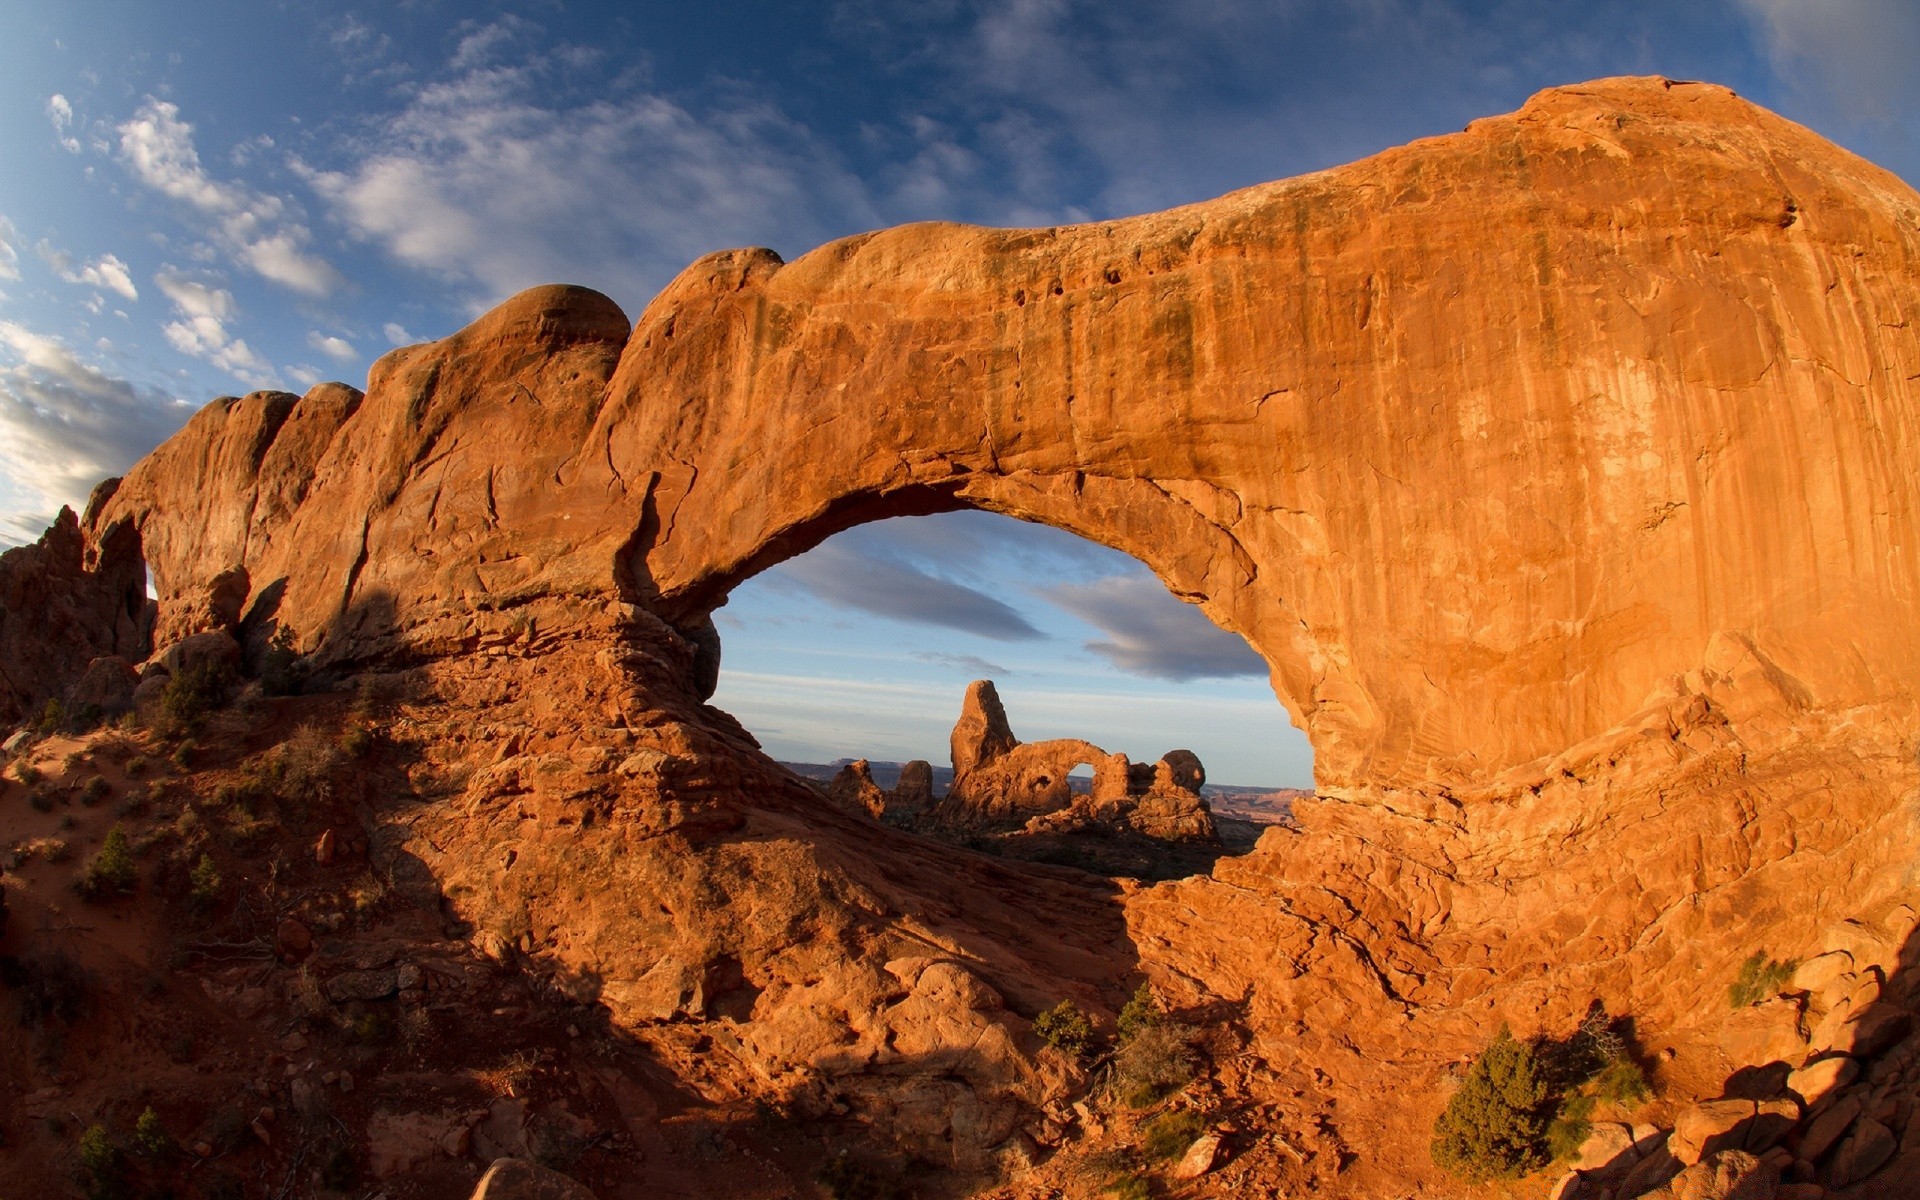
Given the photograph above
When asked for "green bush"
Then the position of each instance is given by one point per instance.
(100, 1159)
(1140, 1013)
(191, 695)
(150, 1137)
(1169, 1134)
(1065, 1028)
(52, 717)
(205, 883)
(1495, 1126)
(1760, 979)
(96, 790)
(1622, 1082)
(1130, 1187)
(112, 870)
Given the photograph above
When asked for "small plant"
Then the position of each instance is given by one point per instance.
(27, 773)
(204, 883)
(1622, 1082)
(1495, 1126)
(137, 766)
(1169, 1134)
(96, 790)
(1129, 1187)
(1155, 1062)
(356, 740)
(1568, 1130)
(1065, 1028)
(111, 871)
(98, 1154)
(306, 763)
(1760, 978)
(1140, 1013)
(41, 799)
(191, 695)
(72, 760)
(281, 670)
(182, 755)
(51, 718)
(150, 1138)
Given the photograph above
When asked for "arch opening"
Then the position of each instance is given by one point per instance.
(853, 660)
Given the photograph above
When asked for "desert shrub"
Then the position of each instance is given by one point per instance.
(1065, 1028)
(1495, 1126)
(26, 772)
(1138, 1014)
(305, 765)
(191, 695)
(281, 669)
(41, 799)
(204, 883)
(1153, 1063)
(1759, 979)
(356, 741)
(96, 790)
(111, 871)
(1169, 1134)
(150, 1137)
(100, 1159)
(182, 755)
(51, 718)
(137, 766)
(1622, 1082)
(72, 760)
(1129, 1187)
(1568, 1130)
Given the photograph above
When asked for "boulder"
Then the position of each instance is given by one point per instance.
(1822, 969)
(1864, 1032)
(518, 1179)
(853, 787)
(1199, 1158)
(1815, 1081)
(106, 687)
(199, 650)
(1709, 1126)
(1864, 1152)
(1726, 1175)
(1609, 1144)
(1827, 1128)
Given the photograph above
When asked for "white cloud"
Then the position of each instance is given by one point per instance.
(1861, 52)
(9, 257)
(500, 176)
(397, 334)
(201, 330)
(60, 112)
(65, 425)
(107, 272)
(305, 374)
(260, 231)
(337, 348)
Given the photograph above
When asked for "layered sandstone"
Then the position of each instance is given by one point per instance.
(1559, 468)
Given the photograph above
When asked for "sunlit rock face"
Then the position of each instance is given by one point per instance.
(1561, 469)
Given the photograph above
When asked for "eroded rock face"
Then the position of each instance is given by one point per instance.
(66, 601)
(1562, 544)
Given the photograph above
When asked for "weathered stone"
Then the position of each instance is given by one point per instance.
(1822, 969)
(201, 650)
(1199, 1158)
(1864, 1152)
(1609, 1144)
(106, 689)
(292, 940)
(981, 734)
(1726, 1175)
(1813, 1082)
(1864, 1032)
(1707, 1127)
(378, 984)
(1771, 1121)
(1827, 1127)
(853, 787)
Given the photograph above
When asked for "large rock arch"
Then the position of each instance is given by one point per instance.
(1560, 468)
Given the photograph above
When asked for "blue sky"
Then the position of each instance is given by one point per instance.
(202, 198)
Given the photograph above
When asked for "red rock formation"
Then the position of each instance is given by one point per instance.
(65, 603)
(1559, 468)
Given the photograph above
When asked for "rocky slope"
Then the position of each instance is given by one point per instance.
(1585, 553)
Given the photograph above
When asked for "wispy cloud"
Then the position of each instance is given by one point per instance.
(506, 172)
(843, 576)
(9, 256)
(107, 271)
(259, 231)
(1861, 53)
(66, 424)
(972, 664)
(203, 311)
(60, 112)
(338, 349)
(1151, 633)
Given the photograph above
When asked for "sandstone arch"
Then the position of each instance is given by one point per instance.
(1560, 468)
(1474, 502)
